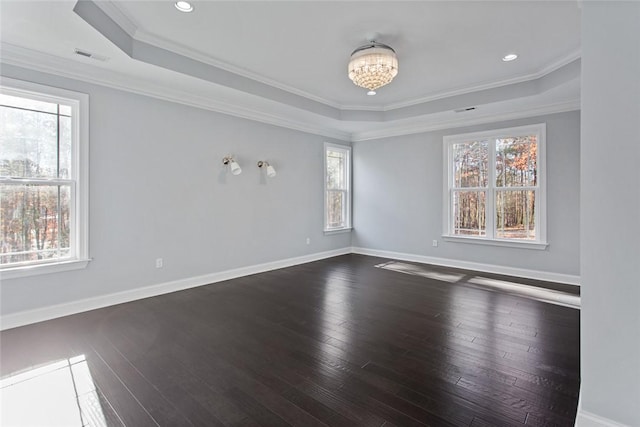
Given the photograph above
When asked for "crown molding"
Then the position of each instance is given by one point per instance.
(128, 24)
(157, 41)
(134, 30)
(38, 61)
(486, 85)
(152, 39)
(42, 62)
(420, 125)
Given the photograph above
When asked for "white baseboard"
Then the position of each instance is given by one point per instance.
(587, 419)
(27, 317)
(468, 265)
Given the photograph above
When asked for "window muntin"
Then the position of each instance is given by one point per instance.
(493, 185)
(43, 177)
(337, 187)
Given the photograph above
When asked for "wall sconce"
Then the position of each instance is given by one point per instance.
(271, 172)
(234, 167)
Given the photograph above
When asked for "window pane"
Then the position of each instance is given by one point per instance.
(29, 104)
(65, 148)
(470, 160)
(515, 214)
(34, 222)
(469, 213)
(336, 170)
(336, 209)
(28, 144)
(516, 161)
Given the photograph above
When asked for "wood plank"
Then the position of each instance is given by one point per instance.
(337, 342)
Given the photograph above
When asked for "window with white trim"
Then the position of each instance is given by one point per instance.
(43, 179)
(495, 187)
(337, 187)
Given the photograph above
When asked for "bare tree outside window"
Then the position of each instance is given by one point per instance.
(337, 178)
(494, 187)
(35, 191)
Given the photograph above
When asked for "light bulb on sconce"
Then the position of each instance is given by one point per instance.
(271, 172)
(234, 167)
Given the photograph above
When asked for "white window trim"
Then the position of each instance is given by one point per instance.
(540, 243)
(347, 228)
(80, 158)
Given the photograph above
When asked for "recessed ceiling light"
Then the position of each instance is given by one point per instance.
(510, 57)
(371, 92)
(184, 6)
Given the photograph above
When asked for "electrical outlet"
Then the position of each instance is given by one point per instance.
(159, 263)
(435, 244)
(308, 240)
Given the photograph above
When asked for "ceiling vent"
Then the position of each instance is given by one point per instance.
(88, 54)
(464, 110)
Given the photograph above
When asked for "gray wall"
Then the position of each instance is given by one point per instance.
(158, 189)
(398, 198)
(610, 205)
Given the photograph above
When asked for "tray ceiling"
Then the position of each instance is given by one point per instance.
(290, 57)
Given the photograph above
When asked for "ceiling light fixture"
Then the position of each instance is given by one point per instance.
(373, 66)
(184, 6)
(510, 57)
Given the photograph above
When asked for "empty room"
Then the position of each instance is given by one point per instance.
(319, 213)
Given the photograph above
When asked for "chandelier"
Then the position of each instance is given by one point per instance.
(373, 66)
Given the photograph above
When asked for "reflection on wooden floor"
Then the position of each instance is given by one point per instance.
(61, 393)
(512, 286)
(336, 342)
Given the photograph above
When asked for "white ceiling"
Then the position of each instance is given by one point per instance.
(441, 46)
(445, 49)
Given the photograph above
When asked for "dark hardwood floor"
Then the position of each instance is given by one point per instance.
(336, 342)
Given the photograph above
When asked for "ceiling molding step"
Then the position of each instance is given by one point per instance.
(154, 40)
(483, 86)
(111, 30)
(158, 51)
(128, 24)
(419, 126)
(174, 61)
(133, 29)
(42, 62)
(513, 92)
(122, 19)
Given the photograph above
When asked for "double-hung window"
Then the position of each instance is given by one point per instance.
(337, 185)
(495, 187)
(43, 179)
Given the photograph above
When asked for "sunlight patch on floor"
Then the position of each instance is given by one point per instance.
(532, 292)
(420, 271)
(512, 288)
(58, 394)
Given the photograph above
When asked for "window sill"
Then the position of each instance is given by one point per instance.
(337, 231)
(505, 243)
(34, 270)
